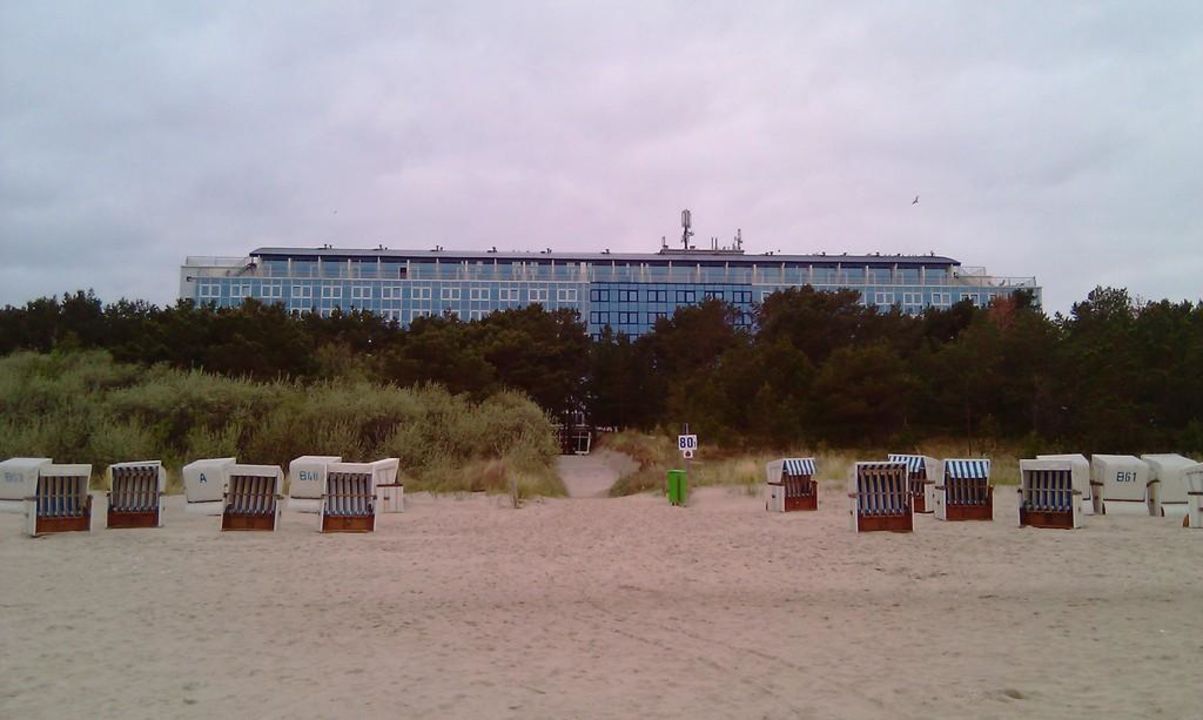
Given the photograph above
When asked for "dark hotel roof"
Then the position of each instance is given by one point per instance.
(705, 257)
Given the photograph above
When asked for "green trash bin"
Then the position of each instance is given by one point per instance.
(678, 487)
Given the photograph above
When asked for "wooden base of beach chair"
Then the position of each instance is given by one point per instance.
(76, 523)
(920, 503)
(890, 523)
(1063, 520)
(802, 502)
(248, 522)
(119, 520)
(972, 512)
(348, 524)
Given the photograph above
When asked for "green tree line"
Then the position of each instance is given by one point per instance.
(1113, 375)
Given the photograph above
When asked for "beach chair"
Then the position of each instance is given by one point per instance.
(792, 485)
(19, 480)
(1050, 494)
(253, 497)
(205, 484)
(61, 502)
(881, 497)
(1092, 498)
(349, 501)
(1192, 477)
(307, 482)
(1126, 484)
(1168, 483)
(390, 491)
(136, 494)
(922, 472)
(964, 491)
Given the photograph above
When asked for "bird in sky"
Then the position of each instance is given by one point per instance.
(915, 201)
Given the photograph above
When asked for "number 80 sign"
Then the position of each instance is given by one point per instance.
(687, 442)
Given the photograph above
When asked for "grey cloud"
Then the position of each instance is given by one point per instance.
(1060, 140)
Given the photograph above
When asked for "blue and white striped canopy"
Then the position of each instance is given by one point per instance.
(880, 465)
(967, 468)
(914, 463)
(799, 466)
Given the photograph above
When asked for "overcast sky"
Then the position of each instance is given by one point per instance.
(1056, 139)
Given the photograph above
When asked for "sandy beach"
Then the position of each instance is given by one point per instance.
(604, 608)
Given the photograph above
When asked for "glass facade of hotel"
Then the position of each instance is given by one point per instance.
(627, 292)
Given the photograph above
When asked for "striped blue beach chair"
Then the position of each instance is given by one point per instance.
(964, 491)
(922, 472)
(253, 497)
(61, 501)
(880, 496)
(1050, 494)
(792, 485)
(349, 498)
(136, 494)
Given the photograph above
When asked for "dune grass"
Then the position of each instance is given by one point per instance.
(83, 407)
(714, 465)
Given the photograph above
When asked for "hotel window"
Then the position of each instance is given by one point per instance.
(912, 298)
(302, 291)
(537, 294)
(415, 314)
(390, 292)
(628, 318)
(599, 318)
(652, 317)
(478, 293)
(715, 295)
(237, 291)
(420, 293)
(361, 292)
(507, 294)
(599, 296)
(332, 292)
(970, 297)
(210, 290)
(628, 296)
(566, 295)
(941, 299)
(391, 315)
(476, 314)
(884, 298)
(741, 296)
(657, 296)
(271, 290)
(450, 293)
(686, 296)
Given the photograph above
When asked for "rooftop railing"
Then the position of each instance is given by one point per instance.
(766, 275)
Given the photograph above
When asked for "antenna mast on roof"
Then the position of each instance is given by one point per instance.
(686, 232)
